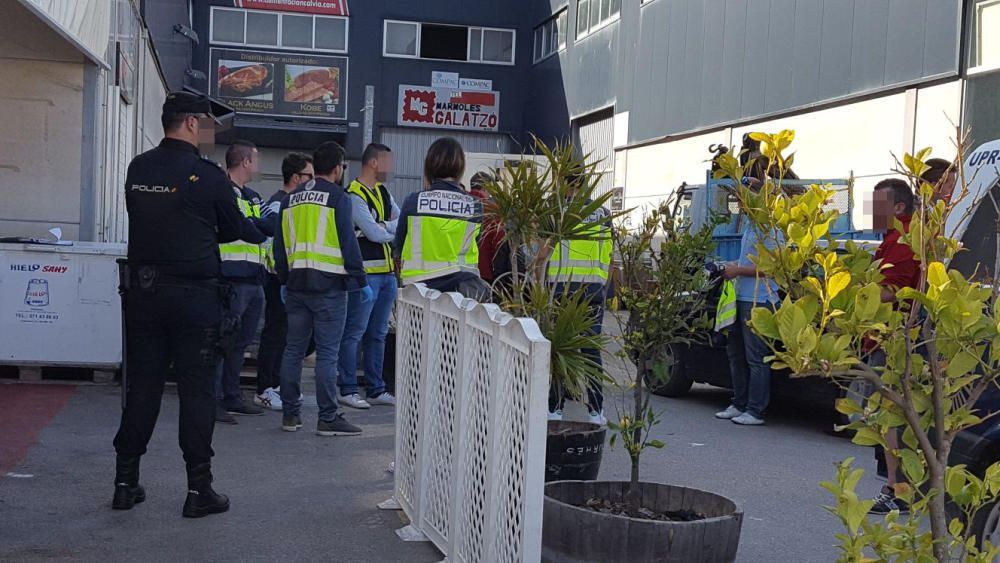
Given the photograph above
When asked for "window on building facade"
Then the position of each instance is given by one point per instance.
(297, 31)
(985, 52)
(591, 15)
(498, 46)
(331, 34)
(448, 42)
(550, 37)
(401, 39)
(257, 28)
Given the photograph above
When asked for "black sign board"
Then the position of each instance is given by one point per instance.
(280, 84)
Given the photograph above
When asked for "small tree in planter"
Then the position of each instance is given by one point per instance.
(942, 347)
(661, 302)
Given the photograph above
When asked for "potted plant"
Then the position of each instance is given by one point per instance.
(661, 302)
(538, 209)
(941, 343)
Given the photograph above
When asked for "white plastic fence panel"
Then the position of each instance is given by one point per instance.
(472, 385)
(410, 365)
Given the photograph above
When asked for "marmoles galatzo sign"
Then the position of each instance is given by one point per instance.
(448, 108)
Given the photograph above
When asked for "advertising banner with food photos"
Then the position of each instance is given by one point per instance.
(448, 108)
(280, 84)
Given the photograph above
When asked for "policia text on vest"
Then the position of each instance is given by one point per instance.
(438, 234)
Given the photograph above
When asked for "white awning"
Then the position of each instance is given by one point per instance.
(84, 23)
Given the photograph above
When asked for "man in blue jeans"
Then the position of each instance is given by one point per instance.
(375, 215)
(316, 257)
(243, 269)
(751, 375)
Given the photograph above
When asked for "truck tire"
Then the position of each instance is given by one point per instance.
(856, 389)
(985, 523)
(676, 383)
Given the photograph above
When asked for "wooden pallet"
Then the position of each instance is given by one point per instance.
(69, 374)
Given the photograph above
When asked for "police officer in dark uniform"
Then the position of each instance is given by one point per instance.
(180, 208)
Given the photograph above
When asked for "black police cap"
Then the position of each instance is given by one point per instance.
(187, 102)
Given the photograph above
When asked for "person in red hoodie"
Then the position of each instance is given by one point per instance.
(893, 199)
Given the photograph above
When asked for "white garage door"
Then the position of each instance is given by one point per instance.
(409, 147)
(594, 135)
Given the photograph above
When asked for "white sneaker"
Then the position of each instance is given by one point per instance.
(354, 401)
(747, 419)
(555, 415)
(269, 399)
(385, 398)
(598, 418)
(730, 413)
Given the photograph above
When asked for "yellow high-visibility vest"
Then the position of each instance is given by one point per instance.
(582, 261)
(377, 257)
(239, 250)
(309, 231)
(725, 309)
(441, 236)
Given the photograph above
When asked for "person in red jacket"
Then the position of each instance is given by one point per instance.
(492, 233)
(893, 198)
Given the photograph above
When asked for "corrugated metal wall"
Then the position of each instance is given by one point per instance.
(594, 136)
(680, 66)
(713, 61)
(409, 147)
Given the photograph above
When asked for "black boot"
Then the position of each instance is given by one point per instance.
(201, 499)
(128, 492)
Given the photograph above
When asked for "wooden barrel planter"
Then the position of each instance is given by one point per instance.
(573, 450)
(575, 533)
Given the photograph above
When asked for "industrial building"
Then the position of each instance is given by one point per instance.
(643, 86)
(650, 85)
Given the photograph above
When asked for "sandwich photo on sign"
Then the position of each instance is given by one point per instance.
(237, 79)
(305, 84)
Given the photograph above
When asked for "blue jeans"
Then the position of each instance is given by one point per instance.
(367, 324)
(248, 303)
(321, 315)
(751, 375)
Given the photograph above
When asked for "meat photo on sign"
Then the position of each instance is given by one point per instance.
(312, 84)
(238, 79)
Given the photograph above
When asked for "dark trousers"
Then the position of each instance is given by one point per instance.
(173, 324)
(248, 300)
(751, 374)
(595, 390)
(273, 336)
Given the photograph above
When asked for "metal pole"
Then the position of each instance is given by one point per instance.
(369, 132)
(123, 282)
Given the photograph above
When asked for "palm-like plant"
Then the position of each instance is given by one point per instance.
(540, 205)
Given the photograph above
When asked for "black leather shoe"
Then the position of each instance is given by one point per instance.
(127, 496)
(202, 500)
(128, 491)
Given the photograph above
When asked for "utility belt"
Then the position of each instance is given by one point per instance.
(147, 278)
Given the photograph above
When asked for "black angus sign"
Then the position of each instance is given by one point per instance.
(280, 84)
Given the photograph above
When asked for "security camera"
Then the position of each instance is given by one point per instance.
(190, 34)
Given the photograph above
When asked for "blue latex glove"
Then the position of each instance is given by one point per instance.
(284, 294)
(367, 295)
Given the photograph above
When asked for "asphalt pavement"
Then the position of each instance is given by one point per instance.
(299, 497)
(295, 496)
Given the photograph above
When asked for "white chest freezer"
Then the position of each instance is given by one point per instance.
(59, 305)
